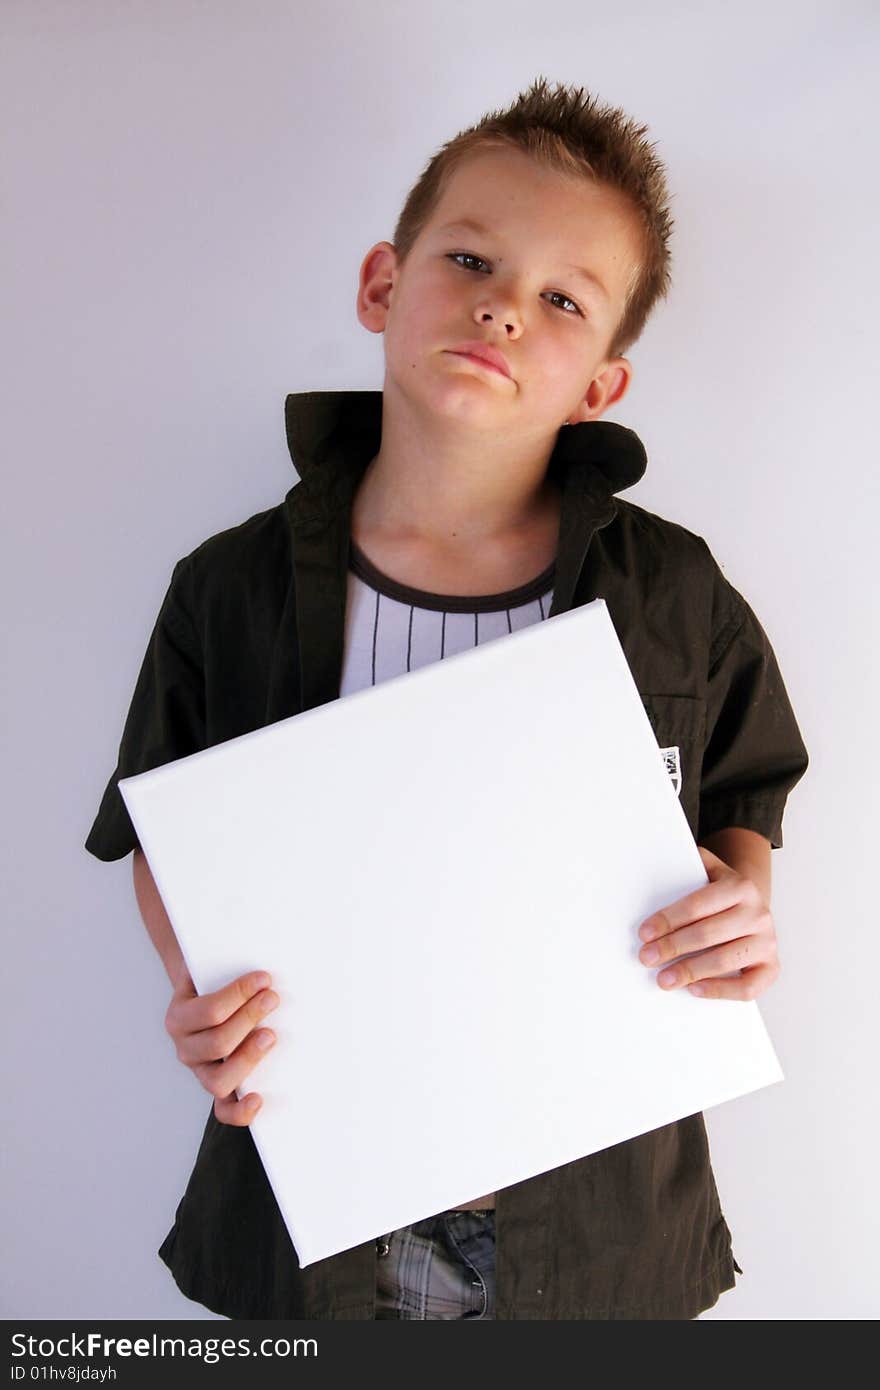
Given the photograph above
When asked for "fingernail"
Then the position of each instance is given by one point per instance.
(650, 955)
(265, 1039)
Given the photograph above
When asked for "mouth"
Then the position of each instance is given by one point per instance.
(480, 362)
(492, 360)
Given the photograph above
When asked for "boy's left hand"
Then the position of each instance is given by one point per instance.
(730, 926)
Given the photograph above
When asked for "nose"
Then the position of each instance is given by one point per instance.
(511, 325)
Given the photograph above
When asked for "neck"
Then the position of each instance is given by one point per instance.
(447, 487)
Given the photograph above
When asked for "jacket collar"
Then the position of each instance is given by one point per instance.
(332, 435)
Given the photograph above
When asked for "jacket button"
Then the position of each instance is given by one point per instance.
(382, 1247)
(539, 1290)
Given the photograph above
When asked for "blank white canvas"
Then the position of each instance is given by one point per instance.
(445, 875)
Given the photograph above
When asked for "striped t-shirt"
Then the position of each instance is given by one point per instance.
(391, 628)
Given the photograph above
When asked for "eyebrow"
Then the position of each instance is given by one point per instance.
(470, 225)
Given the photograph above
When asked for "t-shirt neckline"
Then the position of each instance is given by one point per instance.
(363, 567)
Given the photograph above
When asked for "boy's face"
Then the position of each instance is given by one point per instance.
(515, 289)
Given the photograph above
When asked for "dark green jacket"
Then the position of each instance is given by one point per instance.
(250, 632)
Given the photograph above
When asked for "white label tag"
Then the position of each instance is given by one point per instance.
(672, 759)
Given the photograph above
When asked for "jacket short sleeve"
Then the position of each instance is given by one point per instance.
(166, 718)
(753, 754)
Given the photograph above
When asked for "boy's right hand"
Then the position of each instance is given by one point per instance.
(215, 1036)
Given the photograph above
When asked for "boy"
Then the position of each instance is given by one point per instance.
(447, 509)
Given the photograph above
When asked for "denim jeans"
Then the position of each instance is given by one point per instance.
(441, 1267)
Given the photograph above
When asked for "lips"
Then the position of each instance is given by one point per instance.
(489, 356)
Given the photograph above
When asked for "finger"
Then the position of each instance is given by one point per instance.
(749, 985)
(206, 1011)
(222, 1079)
(238, 1112)
(733, 955)
(193, 1013)
(714, 898)
(213, 1044)
(698, 936)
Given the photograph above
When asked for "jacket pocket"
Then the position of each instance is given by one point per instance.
(679, 726)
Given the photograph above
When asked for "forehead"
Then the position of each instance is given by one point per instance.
(496, 187)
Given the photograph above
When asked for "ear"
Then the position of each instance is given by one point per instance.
(608, 387)
(379, 270)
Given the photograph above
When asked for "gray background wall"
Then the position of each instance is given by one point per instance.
(188, 191)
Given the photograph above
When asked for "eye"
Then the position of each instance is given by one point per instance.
(555, 294)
